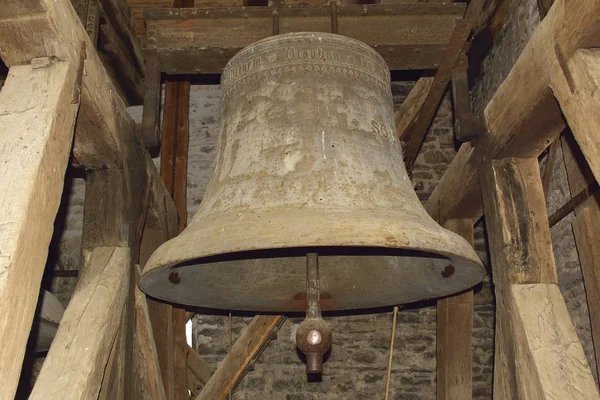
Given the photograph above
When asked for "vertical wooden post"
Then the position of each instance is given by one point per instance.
(538, 353)
(171, 341)
(174, 160)
(454, 334)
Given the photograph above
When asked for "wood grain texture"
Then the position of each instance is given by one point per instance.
(146, 364)
(90, 322)
(169, 322)
(586, 229)
(406, 114)
(517, 222)
(545, 331)
(51, 28)
(199, 372)
(454, 334)
(539, 355)
(150, 132)
(407, 36)
(37, 119)
(466, 126)
(243, 353)
(576, 90)
(522, 117)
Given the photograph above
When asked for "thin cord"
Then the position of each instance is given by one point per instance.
(230, 346)
(389, 370)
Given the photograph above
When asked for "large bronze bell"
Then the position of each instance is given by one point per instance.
(309, 162)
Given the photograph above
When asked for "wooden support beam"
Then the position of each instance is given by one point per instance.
(90, 322)
(550, 164)
(244, 352)
(454, 335)
(119, 16)
(576, 90)
(466, 126)
(150, 132)
(199, 372)
(112, 212)
(104, 137)
(534, 332)
(150, 385)
(51, 28)
(586, 230)
(118, 61)
(192, 41)
(513, 189)
(406, 114)
(455, 49)
(37, 118)
(522, 118)
(92, 22)
(174, 160)
(81, 8)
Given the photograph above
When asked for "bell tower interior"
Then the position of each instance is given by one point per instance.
(300, 199)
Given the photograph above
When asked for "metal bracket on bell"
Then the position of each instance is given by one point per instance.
(313, 336)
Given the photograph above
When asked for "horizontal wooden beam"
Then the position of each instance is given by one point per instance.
(75, 365)
(522, 117)
(202, 40)
(37, 117)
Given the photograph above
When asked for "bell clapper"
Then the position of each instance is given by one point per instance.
(313, 336)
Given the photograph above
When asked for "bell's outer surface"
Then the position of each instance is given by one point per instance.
(308, 158)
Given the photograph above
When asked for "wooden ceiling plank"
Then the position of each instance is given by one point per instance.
(193, 41)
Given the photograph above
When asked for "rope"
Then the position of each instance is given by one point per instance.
(389, 370)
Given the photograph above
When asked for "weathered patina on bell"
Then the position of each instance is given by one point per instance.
(309, 162)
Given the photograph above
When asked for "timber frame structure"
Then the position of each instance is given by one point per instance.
(60, 99)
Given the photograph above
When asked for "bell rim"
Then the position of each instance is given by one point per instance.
(181, 250)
